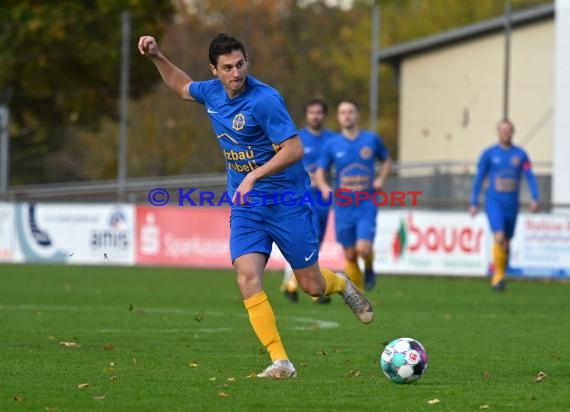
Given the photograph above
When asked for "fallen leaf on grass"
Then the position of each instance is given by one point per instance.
(112, 364)
(540, 377)
(18, 399)
(70, 344)
(134, 361)
(113, 378)
(109, 347)
(354, 373)
(484, 406)
(252, 375)
(486, 374)
(193, 365)
(322, 352)
(213, 378)
(131, 307)
(198, 317)
(433, 401)
(231, 379)
(223, 395)
(100, 397)
(51, 408)
(83, 385)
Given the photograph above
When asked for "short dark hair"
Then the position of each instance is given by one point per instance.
(315, 101)
(224, 44)
(352, 102)
(507, 121)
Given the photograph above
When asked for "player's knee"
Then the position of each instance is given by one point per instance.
(350, 254)
(501, 240)
(248, 280)
(364, 250)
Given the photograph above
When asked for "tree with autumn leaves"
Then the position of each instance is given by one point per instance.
(60, 73)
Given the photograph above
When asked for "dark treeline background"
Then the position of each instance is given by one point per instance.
(60, 65)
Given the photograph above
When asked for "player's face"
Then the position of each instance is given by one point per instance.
(505, 132)
(347, 115)
(315, 116)
(231, 69)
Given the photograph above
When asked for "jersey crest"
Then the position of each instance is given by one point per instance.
(239, 121)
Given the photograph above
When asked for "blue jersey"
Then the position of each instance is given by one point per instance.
(249, 129)
(504, 168)
(354, 160)
(313, 146)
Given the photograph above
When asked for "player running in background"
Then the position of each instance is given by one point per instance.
(503, 165)
(354, 153)
(313, 137)
(263, 156)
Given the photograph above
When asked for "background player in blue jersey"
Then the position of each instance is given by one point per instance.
(263, 156)
(313, 137)
(354, 154)
(503, 165)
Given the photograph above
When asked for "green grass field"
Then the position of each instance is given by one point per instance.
(179, 340)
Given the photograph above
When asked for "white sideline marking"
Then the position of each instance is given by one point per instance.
(314, 323)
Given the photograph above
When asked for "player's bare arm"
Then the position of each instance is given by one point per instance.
(174, 78)
(384, 172)
(290, 151)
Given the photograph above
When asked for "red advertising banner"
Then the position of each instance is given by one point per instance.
(174, 236)
(199, 237)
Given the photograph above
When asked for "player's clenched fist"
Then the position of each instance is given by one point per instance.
(148, 46)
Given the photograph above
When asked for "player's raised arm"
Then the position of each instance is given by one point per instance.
(174, 78)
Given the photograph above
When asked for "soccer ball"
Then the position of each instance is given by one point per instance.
(404, 360)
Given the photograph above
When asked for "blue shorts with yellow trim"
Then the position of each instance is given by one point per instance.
(253, 229)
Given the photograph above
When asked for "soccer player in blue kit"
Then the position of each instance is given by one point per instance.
(354, 153)
(503, 164)
(263, 157)
(313, 137)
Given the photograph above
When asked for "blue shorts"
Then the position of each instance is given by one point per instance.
(501, 218)
(253, 229)
(353, 223)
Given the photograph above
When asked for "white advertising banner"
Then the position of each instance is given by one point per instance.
(6, 232)
(75, 233)
(541, 246)
(432, 243)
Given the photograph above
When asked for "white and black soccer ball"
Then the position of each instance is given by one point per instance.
(404, 360)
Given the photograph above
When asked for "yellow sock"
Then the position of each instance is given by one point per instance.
(263, 322)
(368, 261)
(333, 283)
(500, 258)
(355, 274)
